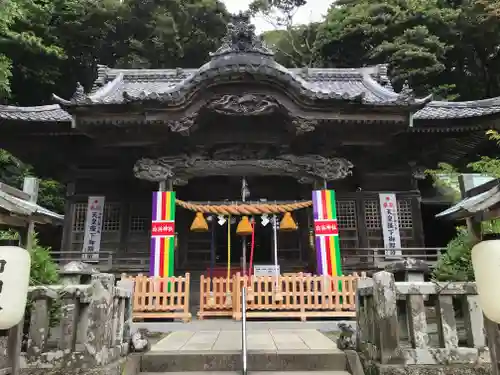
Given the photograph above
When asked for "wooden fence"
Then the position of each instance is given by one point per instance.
(214, 299)
(290, 296)
(157, 297)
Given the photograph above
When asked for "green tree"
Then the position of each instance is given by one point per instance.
(43, 268)
(153, 34)
(293, 44)
(13, 171)
(409, 35)
(172, 33)
(21, 12)
(294, 47)
(456, 264)
(49, 46)
(445, 47)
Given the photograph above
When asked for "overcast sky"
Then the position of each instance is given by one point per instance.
(313, 11)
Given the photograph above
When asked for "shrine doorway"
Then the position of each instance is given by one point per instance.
(197, 247)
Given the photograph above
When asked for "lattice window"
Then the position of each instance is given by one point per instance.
(405, 219)
(372, 215)
(112, 217)
(346, 215)
(373, 224)
(140, 218)
(139, 224)
(405, 215)
(79, 215)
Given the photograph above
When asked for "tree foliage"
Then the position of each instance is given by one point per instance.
(445, 47)
(43, 268)
(50, 45)
(456, 263)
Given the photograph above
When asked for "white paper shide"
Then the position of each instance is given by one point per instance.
(390, 224)
(93, 229)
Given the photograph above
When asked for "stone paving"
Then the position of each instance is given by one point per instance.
(231, 325)
(265, 340)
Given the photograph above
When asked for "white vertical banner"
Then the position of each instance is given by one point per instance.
(93, 229)
(390, 225)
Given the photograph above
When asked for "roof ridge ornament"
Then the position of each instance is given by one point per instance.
(383, 75)
(78, 97)
(241, 38)
(406, 95)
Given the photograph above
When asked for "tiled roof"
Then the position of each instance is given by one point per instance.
(438, 110)
(46, 113)
(369, 85)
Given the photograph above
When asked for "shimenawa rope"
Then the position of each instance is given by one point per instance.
(244, 208)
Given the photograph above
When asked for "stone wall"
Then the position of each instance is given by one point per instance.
(73, 326)
(420, 325)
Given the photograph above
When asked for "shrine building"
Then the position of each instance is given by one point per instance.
(287, 132)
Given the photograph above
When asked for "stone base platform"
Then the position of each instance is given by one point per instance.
(252, 373)
(268, 350)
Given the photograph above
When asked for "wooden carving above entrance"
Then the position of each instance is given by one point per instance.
(244, 105)
(180, 169)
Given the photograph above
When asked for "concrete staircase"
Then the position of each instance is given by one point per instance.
(269, 351)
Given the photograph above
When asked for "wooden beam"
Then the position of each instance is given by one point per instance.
(13, 191)
(12, 221)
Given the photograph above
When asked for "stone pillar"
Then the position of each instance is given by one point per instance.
(410, 270)
(39, 322)
(73, 313)
(127, 284)
(99, 319)
(386, 317)
(77, 273)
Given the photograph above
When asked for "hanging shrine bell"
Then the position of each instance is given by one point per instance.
(244, 227)
(199, 223)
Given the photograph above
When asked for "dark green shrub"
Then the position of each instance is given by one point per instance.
(455, 264)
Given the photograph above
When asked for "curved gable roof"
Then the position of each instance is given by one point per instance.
(368, 85)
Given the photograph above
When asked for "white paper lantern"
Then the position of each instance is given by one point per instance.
(486, 265)
(15, 263)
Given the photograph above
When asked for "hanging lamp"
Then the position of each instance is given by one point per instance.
(287, 224)
(199, 223)
(244, 227)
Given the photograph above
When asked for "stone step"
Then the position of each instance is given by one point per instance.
(285, 360)
(249, 373)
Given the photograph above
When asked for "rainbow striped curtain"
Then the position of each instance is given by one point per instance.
(163, 234)
(326, 233)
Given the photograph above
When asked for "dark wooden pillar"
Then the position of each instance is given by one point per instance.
(67, 233)
(360, 222)
(124, 224)
(418, 226)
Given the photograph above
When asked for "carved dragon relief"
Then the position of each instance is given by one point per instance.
(184, 125)
(243, 105)
(303, 125)
(306, 169)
